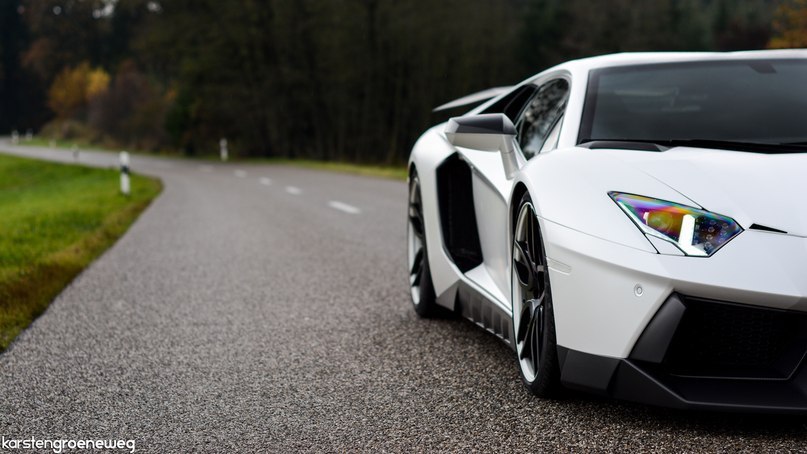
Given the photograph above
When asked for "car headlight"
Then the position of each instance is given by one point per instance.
(694, 231)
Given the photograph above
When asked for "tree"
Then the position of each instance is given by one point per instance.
(351, 80)
(790, 25)
(15, 85)
(132, 110)
(74, 88)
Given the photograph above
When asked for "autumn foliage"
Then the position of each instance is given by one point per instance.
(790, 25)
(347, 80)
(74, 88)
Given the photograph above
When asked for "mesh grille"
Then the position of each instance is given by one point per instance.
(730, 340)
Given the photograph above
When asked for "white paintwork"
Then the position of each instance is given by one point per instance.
(491, 209)
(429, 151)
(754, 188)
(597, 257)
(294, 190)
(481, 276)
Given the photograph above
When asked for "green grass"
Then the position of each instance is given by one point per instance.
(54, 220)
(391, 172)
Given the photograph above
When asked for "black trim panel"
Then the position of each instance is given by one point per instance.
(654, 342)
(765, 228)
(626, 380)
(455, 199)
(622, 145)
(586, 372)
(727, 340)
(649, 375)
(495, 124)
(476, 307)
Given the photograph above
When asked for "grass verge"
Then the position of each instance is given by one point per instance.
(55, 219)
(390, 172)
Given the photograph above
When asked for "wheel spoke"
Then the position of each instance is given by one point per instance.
(415, 279)
(526, 349)
(417, 225)
(524, 321)
(537, 253)
(539, 285)
(417, 262)
(537, 336)
(530, 289)
(525, 266)
(530, 274)
(530, 330)
(420, 284)
(531, 233)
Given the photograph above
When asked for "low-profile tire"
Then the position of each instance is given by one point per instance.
(424, 299)
(533, 314)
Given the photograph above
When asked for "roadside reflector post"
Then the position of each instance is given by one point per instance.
(29, 135)
(124, 173)
(15, 137)
(223, 149)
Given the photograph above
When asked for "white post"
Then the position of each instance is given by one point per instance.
(223, 149)
(15, 137)
(29, 135)
(124, 173)
(75, 152)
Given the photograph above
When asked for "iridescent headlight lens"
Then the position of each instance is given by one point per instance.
(694, 231)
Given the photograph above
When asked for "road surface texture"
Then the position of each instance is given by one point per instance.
(259, 308)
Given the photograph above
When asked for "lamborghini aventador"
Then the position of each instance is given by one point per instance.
(632, 225)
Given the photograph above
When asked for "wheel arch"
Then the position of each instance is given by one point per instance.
(518, 192)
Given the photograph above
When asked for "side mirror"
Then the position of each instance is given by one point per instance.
(488, 132)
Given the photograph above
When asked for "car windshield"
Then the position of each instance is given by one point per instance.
(749, 101)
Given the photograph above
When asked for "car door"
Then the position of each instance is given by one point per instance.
(537, 111)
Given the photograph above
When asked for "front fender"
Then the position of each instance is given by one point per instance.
(570, 187)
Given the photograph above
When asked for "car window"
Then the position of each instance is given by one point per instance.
(753, 101)
(541, 117)
(513, 103)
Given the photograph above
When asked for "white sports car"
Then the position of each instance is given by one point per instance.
(632, 225)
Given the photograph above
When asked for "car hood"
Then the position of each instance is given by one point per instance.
(753, 188)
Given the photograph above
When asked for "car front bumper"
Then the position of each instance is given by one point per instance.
(725, 332)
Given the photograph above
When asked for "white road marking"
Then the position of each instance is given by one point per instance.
(206, 168)
(294, 190)
(240, 173)
(341, 206)
(265, 181)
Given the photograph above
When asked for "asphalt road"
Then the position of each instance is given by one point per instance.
(259, 308)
